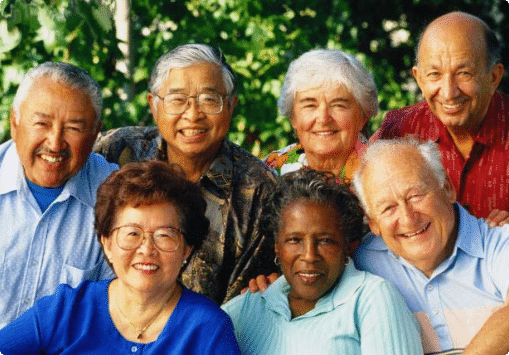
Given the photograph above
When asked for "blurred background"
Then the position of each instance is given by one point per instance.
(118, 42)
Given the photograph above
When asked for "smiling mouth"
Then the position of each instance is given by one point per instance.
(324, 134)
(146, 267)
(51, 159)
(418, 232)
(192, 132)
(309, 277)
(452, 107)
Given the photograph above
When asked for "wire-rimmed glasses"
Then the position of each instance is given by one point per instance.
(164, 238)
(177, 103)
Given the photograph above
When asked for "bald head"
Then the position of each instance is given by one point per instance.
(465, 27)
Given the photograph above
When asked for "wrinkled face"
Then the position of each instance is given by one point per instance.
(311, 249)
(55, 132)
(453, 76)
(407, 207)
(327, 121)
(146, 269)
(193, 134)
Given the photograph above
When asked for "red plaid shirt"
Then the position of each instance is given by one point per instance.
(482, 180)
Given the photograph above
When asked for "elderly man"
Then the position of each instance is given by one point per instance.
(458, 70)
(450, 266)
(48, 180)
(192, 97)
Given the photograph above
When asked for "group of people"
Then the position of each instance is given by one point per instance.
(138, 260)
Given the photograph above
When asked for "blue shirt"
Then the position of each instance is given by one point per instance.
(77, 321)
(464, 290)
(39, 251)
(363, 314)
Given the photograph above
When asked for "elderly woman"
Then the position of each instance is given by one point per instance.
(321, 304)
(149, 219)
(329, 97)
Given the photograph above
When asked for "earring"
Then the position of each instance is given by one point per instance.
(348, 260)
(184, 262)
(362, 138)
(276, 261)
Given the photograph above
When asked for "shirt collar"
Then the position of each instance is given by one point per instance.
(469, 236)
(76, 186)
(350, 281)
(490, 132)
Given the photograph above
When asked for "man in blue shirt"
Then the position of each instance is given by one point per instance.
(48, 181)
(450, 267)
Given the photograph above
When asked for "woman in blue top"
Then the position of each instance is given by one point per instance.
(321, 304)
(149, 219)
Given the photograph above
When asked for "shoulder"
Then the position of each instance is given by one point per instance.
(200, 308)
(247, 167)
(399, 122)
(243, 305)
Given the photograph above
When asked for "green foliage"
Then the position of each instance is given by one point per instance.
(258, 37)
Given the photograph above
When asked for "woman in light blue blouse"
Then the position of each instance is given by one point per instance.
(321, 304)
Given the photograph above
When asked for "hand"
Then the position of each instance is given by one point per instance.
(260, 283)
(497, 218)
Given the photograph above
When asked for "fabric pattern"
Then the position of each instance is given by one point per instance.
(235, 188)
(77, 321)
(482, 180)
(476, 270)
(362, 314)
(292, 158)
(39, 251)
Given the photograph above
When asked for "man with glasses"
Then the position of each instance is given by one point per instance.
(192, 94)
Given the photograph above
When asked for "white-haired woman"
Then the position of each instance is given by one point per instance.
(329, 97)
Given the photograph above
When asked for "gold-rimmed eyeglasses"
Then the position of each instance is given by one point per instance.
(177, 103)
(164, 238)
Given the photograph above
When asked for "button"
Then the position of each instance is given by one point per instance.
(134, 349)
(27, 301)
(430, 287)
(435, 311)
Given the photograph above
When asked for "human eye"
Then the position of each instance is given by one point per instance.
(327, 240)
(177, 99)
(74, 128)
(292, 240)
(130, 232)
(388, 209)
(433, 75)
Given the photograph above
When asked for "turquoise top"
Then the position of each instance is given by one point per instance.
(363, 314)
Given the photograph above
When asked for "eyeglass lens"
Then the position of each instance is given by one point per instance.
(208, 103)
(131, 237)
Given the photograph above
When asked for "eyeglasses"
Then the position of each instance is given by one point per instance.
(175, 104)
(164, 238)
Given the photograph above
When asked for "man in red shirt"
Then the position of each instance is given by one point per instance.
(458, 70)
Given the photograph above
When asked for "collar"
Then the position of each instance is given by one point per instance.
(219, 176)
(349, 283)
(76, 186)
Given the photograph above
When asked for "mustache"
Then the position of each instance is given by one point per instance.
(64, 152)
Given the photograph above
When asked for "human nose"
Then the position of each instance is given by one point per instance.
(309, 251)
(55, 139)
(407, 215)
(449, 87)
(323, 113)
(192, 111)
(147, 245)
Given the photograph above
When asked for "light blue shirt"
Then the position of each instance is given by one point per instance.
(464, 290)
(39, 251)
(363, 314)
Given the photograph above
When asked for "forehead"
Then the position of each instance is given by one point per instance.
(202, 76)
(53, 99)
(393, 172)
(329, 90)
(453, 41)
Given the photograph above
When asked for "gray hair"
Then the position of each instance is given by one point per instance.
(427, 150)
(67, 74)
(493, 46)
(189, 54)
(317, 67)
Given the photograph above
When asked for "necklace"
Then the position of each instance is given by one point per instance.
(141, 330)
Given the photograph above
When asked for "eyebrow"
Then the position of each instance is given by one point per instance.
(183, 91)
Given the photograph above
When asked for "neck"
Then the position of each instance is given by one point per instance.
(299, 306)
(333, 163)
(463, 140)
(195, 166)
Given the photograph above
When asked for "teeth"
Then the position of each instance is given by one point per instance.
(145, 267)
(192, 132)
(52, 159)
(452, 107)
(324, 133)
(419, 231)
(309, 275)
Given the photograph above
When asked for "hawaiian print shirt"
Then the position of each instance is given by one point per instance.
(235, 188)
(293, 158)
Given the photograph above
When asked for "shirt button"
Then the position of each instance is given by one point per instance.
(430, 287)
(435, 311)
(134, 349)
(27, 301)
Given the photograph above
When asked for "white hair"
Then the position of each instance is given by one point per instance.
(320, 67)
(67, 74)
(189, 54)
(427, 150)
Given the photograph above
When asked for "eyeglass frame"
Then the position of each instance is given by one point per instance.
(144, 232)
(186, 106)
